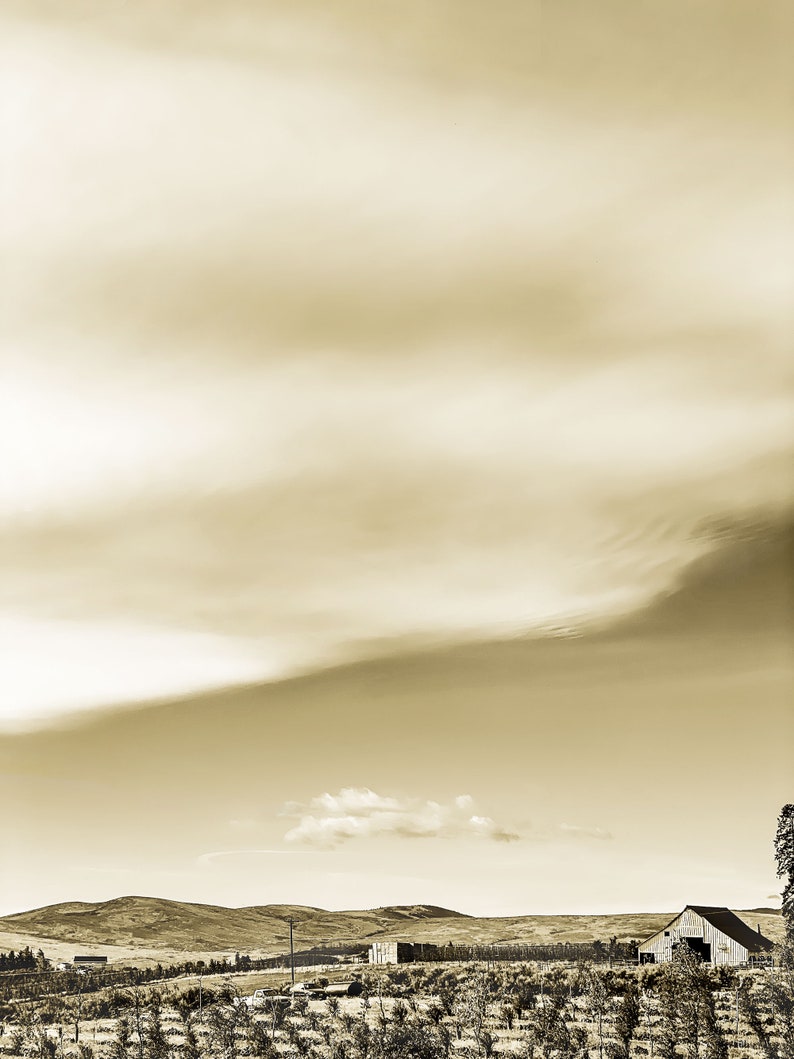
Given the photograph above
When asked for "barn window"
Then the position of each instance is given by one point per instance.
(667, 933)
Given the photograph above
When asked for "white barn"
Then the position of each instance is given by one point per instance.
(715, 933)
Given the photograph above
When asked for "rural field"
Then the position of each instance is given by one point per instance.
(424, 1011)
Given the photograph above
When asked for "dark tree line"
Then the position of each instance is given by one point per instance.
(24, 960)
(28, 983)
(592, 952)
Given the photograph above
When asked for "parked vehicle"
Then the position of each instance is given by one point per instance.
(263, 998)
(318, 992)
(313, 989)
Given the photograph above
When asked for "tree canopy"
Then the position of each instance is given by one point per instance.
(784, 855)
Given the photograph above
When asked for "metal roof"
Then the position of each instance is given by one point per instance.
(729, 923)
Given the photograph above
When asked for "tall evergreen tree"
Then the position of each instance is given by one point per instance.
(784, 855)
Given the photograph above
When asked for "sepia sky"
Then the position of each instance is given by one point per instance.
(397, 420)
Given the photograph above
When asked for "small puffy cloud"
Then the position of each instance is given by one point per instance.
(358, 801)
(358, 812)
(574, 831)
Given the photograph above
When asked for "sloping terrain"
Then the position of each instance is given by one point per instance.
(151, 927)
(156, 923)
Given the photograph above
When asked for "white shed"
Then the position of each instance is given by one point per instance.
(715, 933)
(391, 952)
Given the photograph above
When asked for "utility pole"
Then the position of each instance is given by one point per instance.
(291, 953)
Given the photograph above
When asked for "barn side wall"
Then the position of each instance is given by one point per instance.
(383, 952)
(391, 952)
(689, 924)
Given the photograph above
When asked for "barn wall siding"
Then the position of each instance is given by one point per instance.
(383, 952)
(391, 952)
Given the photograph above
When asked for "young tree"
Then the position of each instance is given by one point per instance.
(688, 1008)
(472, 1008)
(750, 1009)
(363, 1037)
(548, 1028)
(627, 1018)
(38, 1043)
(332, 1003)
(597, 997)
(156, 1040)
(413, 1039)
(223, 1022)
(190, 1047)
(120, 1045)
(138, 1015)
(75, 1007)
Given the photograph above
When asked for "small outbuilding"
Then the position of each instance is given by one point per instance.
(715, 933)
(391, 952)
(401, 952)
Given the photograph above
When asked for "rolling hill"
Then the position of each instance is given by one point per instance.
(152, 928)
(155, 923)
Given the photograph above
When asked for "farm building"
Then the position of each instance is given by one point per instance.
(90, 961)
(400, 952)
(391, 952)
(715, 933)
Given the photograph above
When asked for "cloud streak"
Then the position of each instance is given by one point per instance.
(575, 831)
(331, 820)
(214, 856)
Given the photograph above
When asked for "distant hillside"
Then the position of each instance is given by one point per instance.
(156, 928)
(153, 923)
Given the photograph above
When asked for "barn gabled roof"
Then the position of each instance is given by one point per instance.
(730, 924)
(721, 917)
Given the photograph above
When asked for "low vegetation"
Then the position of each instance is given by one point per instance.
(432, 1011)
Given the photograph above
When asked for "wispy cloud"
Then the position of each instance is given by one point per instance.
(382, 401)
(329, 820)
(205, 859)
(574, 831)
